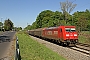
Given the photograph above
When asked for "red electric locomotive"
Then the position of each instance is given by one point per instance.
(62, 34)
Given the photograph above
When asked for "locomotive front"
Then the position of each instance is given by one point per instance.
(71, 36)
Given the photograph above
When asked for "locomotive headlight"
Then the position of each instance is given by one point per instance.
(75, 34)
(67, 34)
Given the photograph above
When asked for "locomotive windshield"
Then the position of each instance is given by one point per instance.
(70, 29)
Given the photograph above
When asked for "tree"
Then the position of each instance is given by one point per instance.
(19, 28)
(82, 23)
(81, 19)
(42, 17)
(28, 27)
(56, 17)
(48, 18)
(67, 7)
(8, 25)
(1, 25)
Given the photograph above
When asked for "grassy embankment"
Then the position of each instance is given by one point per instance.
(84, 37)
(32, 50)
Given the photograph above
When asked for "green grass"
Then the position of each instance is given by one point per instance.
(84, 37)
(32, 50)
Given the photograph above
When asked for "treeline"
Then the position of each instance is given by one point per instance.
(8, 25)
(48, 18)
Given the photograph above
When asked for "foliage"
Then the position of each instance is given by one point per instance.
(17, 28)
(1, 25)
(28, 27)
(48, 18)
(82, 23)
(43, 18)
(8, 25)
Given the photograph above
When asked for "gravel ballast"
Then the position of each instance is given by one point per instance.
(69, 54)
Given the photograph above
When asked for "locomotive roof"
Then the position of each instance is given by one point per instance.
(60, 26)
(51, 28)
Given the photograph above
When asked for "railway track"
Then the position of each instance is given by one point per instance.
(83, 48)
(81, 44)
(80, 47)
(80, 50)
(70, 54)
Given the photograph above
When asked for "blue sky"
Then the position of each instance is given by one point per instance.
(21, 12)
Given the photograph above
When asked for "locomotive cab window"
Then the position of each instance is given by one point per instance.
(67, 29)
(73, 30)
(70, 29)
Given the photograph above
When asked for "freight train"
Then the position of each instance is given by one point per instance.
(62, 34)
